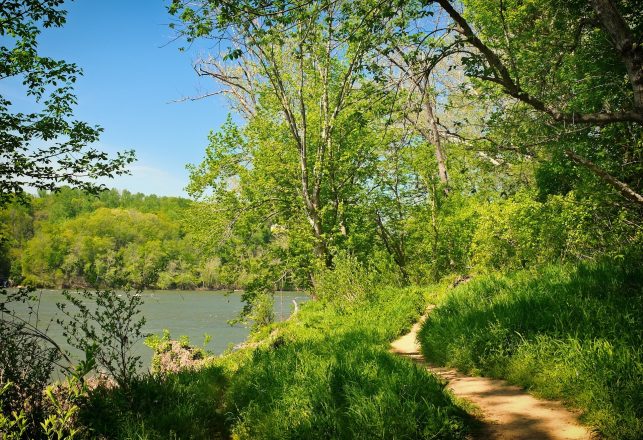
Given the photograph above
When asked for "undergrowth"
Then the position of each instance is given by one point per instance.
(329, 375)
(184, 405)
(325, 373)
(566, 332)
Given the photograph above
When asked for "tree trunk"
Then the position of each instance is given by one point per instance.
(435, 139)
(630, 50)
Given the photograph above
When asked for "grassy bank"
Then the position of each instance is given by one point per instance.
(326, 373)
(566, 332)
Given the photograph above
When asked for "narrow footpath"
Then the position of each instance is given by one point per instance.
(508, 411)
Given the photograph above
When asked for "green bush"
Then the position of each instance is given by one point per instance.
(107, 324)
(446, 248)
(27, 359)
(347, 283)
(566, 332)
(521, 232)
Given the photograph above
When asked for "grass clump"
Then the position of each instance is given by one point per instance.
(183, 405)
(567, 332)
(330, 375)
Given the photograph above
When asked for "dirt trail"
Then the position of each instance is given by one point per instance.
(508, 411)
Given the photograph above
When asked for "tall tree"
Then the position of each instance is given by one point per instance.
(566, 61)
(308, 57)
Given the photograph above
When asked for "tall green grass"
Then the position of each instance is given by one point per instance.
(331, 376)
(568, 332)
(324, 374)
(186, 405)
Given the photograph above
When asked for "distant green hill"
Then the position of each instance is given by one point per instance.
(72, 239)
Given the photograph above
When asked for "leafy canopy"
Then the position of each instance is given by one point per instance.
(44, 148)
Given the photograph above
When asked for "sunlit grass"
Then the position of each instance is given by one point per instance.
(327, 374)
(332, 376)
(570, 332)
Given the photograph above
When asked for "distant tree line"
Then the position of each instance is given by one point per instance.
(116, 239)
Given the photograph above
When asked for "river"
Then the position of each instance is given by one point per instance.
(189, 313)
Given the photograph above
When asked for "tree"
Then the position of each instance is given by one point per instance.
(305, 62)
(566, 61)
(569, 69)
(44, 149)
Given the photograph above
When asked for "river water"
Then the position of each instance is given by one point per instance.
(189, 313)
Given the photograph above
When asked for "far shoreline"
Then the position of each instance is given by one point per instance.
(148, 290)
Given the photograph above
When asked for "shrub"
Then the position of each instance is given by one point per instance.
(27, 359)
(187, 405)
(108, 324)
(521, 232)
(348, 283)
(29, 406)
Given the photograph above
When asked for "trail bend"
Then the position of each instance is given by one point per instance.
(508, 411)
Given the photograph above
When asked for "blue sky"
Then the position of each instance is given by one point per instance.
(129, 81)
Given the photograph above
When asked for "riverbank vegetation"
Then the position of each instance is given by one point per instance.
(325, 373)
(570, 332)
(380, 153)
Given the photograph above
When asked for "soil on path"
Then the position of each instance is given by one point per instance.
(508, 412)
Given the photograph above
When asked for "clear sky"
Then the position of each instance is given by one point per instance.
(128, 84)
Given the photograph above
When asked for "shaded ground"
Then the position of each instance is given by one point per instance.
(509, 412)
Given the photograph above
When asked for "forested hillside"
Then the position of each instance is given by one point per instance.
(116, 239)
